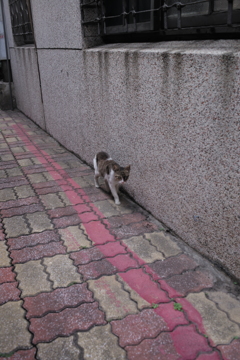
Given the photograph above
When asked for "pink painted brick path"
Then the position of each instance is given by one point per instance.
(153, 329)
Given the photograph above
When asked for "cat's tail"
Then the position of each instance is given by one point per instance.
(102, 156)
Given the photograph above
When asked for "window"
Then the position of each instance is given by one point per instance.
(21, 21)
(163, 18)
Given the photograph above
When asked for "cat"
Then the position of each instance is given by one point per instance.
(113, 174)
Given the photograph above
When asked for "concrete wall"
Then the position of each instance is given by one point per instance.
(170, 109)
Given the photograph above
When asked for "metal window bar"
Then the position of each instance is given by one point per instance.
(170, 21)
(21, 21)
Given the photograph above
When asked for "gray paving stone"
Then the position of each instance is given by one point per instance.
(14, 172)
(51, 201)
(100, 344)
(7, 194)
(25, 162)
(106, 207)
(218, 327)
(15, 226)
(62, 271)
(74, 238)
(59, 349)
(36, 178)
(32, 278)
(164, 243)
(13, 329)
(112, 298)
(4, 259)
(227, 303)
(143, 248)
(39, 221)
(24, 191)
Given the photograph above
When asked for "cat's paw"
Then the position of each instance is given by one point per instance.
(117, 202)
(97, 186)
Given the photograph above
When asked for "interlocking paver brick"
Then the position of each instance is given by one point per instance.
(7, 275)
(143, 285)
(164, 243)
(14, 172)
(134, 229)
(71, 197)
(9, 292)
(227, 303)
(19, 202)
(15, 226)
(97, 232)
(25, 162)
(32, 278)
(39, 221)
(13, 329)
(62, 211)
(141, 303)
(24, 191)
(48, 190)
(32, 239)
(192, 281)
(7, 194)
(62, 271)
(106, 208)
(231, 351)
(99, 343)
(97, 253)
(74, 238)
(80, 181)
(59, 349)
(51, 201)
(2, 235)
(66, 221)
(4, 258)
(182, 343)
(173, 266)
(37, 252)
(123, 262)
(57, 300)
(14, 181)
(22, 355)
(96, 268)
(36, 178)
(21, 210)
(143, 249)
(218, 326)
(213, 356)
(117, 221)
(7, 157)
(112, 298)
(66, 322)
(134, 328)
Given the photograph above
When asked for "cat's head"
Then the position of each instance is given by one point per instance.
(121, 174)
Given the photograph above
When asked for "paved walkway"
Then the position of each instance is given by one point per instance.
(82, 278)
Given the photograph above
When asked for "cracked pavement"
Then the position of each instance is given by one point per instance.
(82, 278)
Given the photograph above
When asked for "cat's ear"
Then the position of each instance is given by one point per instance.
(115, 167)
(128, 168)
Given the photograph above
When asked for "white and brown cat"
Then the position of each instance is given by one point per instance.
(113, 174)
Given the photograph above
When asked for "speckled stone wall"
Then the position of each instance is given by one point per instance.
(172, 110)
(26, 79)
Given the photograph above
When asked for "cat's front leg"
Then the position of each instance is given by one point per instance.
(96, 176)
(114, 193)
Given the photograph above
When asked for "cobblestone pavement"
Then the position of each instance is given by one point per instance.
(82, 278)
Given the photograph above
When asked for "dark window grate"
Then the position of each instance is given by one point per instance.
(21, 21)
(164, 17)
